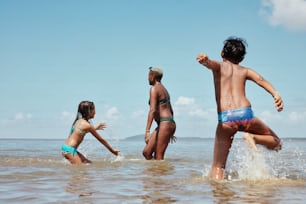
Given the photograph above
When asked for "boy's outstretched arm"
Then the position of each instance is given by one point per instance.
(210, 64)
(258, 79)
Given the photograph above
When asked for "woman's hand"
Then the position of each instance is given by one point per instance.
(147, 137)
(172, 139)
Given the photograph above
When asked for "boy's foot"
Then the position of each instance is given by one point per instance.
(249, 138)
(278, 147)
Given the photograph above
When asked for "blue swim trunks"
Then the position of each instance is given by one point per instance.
(239, 119)
(69, 149)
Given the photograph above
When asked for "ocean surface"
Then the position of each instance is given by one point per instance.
(34, 171)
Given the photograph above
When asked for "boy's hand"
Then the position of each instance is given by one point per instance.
(278, 102)
(202, 58)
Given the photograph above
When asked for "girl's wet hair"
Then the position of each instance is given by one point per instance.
(234, 49)
(84, 110)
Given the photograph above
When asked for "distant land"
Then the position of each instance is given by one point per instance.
(140, 137)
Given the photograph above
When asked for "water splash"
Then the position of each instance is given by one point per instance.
(254, 167)
(246, 164)
(290, 164)
(120, 157)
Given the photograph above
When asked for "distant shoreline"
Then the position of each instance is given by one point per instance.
(140, 137)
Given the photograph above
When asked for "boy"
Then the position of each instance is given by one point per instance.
(234, 109)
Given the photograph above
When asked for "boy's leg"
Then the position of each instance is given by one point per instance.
(248, 137)
(260, 133)
(223, 142)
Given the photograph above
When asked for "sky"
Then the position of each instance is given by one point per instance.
(56, 53)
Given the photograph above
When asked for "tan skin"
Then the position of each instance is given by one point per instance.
(229, 83)
(76, 138)
(157, 144)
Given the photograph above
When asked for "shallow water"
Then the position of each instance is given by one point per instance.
(33, 171)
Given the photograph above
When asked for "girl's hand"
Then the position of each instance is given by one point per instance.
(116, 152)
(101, 126)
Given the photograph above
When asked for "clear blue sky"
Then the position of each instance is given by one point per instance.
(56, 53)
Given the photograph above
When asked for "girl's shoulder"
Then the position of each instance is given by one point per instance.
(83, 124)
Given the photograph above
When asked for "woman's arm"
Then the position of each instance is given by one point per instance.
(152, 111)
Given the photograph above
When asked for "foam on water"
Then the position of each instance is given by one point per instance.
(252, 166)
(245, 164)
(120, 157)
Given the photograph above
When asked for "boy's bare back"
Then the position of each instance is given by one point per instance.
(229, 81)
(230, 86)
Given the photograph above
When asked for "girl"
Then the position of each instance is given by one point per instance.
(79, 128)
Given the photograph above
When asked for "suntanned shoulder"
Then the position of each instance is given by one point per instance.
(84, 124)
(153, 90)
(253, 75)
(243, 69)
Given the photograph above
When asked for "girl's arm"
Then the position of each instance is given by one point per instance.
(93, 131)
(258, 79)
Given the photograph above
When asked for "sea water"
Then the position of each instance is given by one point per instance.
(34, 171)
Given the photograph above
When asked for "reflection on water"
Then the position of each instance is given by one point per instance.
(46, 177)
(221, 192)
(157, 182)
(245, 193)
(264, 191)
(158, 168)
(79, 183)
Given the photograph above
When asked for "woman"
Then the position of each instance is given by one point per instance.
(161, 111)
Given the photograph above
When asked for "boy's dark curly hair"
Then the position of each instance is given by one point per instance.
(234, 49)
